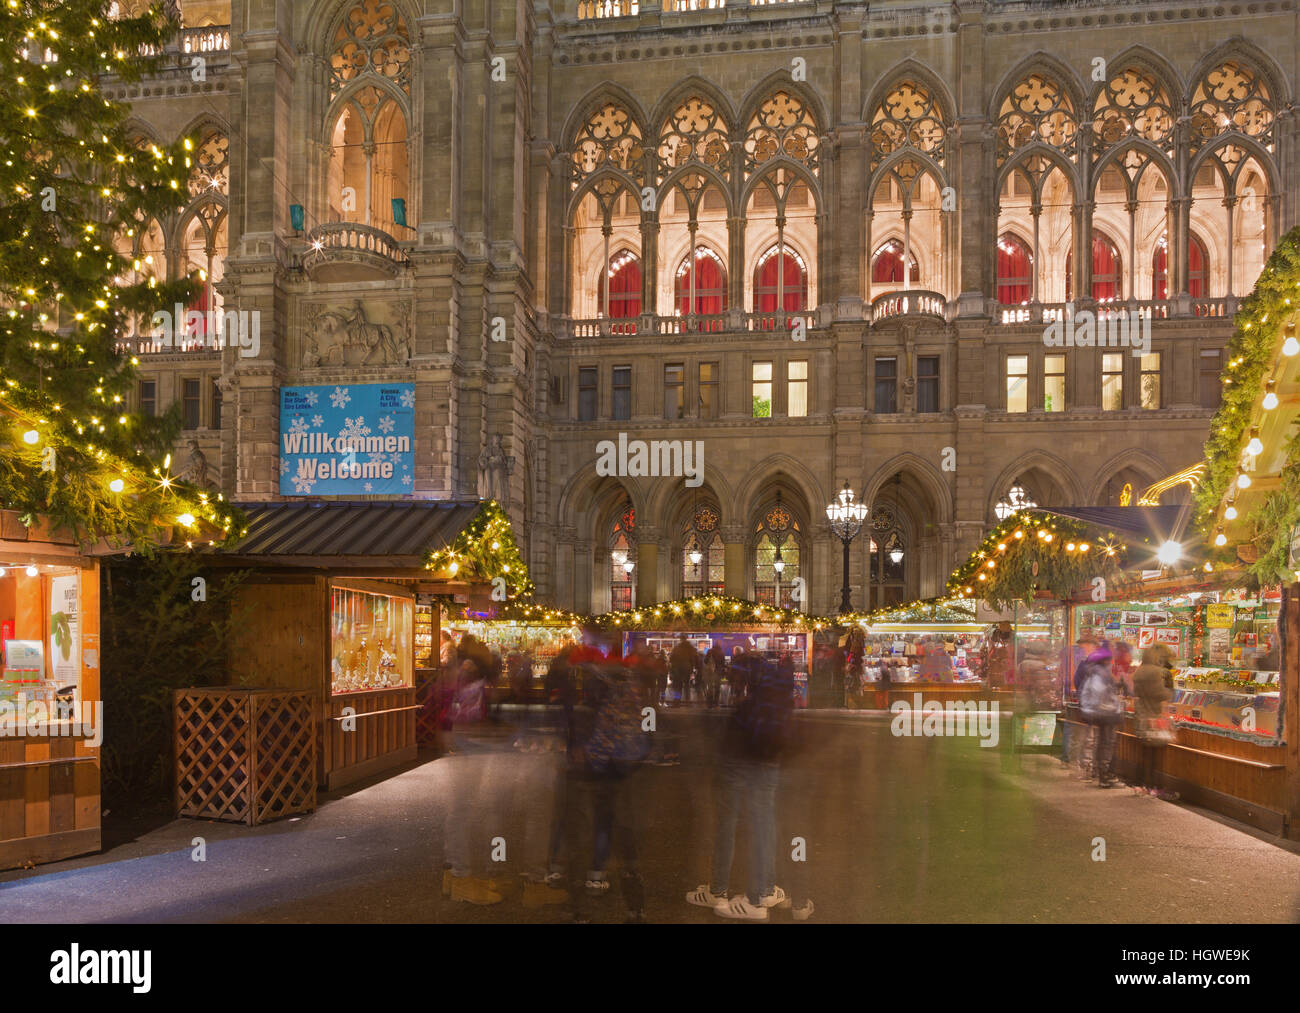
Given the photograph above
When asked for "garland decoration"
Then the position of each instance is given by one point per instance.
(485, 550)
(708, 612)
(1031, 551)
(1252, 353)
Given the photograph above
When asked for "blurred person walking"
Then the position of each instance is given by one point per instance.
(758, 733)
(684, 661)
(1153, 731)
(1103, 709)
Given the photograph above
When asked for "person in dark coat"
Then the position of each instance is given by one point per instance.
(1149, 697)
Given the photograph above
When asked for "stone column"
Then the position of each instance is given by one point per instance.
(736, 577)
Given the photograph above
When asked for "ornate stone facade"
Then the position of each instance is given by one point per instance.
(822, 238)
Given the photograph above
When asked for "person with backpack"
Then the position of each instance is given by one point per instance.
(759, 731)
(1103, 708)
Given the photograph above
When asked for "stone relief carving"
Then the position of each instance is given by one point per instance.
(345, 335)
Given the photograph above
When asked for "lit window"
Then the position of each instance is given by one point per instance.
(1053, 383)
(1112, 381)
(1150, 388)
(1017, 383)
(797, 388)
(762, 390)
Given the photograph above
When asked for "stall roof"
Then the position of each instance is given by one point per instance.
(329, 532)
(1155, 523)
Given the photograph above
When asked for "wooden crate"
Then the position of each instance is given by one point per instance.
(246, 755)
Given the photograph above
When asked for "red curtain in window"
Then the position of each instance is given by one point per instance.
(1014, 271)
(1107, 272)
(710, 285)
(1105, 269)
(887, 266)
(624, 288)
(199, 331)
(1197, 259)
(794, 283)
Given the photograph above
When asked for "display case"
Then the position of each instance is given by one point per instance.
(371, 645)
(425, 630)
(1225, 651)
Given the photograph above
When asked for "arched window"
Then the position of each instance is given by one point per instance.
(1107, 276)
(701, 284)
(888, 555)
(622, 549)
(624, 287)
(909, 116)
(211, 170)
(203, 249)
(777, 540)
(887, 265)
(703, 555)
(1015, 270)
(694, 132)
(610, 139)
(1198, 273)
(369, 162)
(780, 280)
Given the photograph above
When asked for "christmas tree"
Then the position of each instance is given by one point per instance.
(73, 180)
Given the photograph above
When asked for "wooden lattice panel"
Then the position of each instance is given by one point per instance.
(244, 755)
(426, 718)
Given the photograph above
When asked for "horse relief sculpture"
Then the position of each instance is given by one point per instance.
(345, 337)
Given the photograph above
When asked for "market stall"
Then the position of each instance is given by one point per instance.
(526, 649)
(341, 601)
(770, 644)
(51, 715)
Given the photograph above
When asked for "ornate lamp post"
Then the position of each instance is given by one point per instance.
(846, 519)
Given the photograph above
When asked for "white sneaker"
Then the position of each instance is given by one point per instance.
(802, 914)
(702, 896)
(776, 898)
(742, 909)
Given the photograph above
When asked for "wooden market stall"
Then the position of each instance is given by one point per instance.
(49, 769)
(332, 602)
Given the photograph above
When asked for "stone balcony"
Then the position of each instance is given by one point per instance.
(350, 251)
(666, 326)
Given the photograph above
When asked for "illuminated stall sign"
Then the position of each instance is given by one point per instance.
(355, 440)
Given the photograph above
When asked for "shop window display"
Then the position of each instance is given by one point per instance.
(370, 640)
(39, 620)
(1224, 647)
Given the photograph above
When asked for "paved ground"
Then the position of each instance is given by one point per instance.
(897, 830)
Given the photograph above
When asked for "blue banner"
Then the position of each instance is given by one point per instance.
(347, 441)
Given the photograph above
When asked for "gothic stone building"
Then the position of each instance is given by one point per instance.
(822, 238)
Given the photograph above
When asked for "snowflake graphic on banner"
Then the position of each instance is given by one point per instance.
(312, 398)
(284, 466)
(407, 399)
(301, 481)
(340, 397)
(354, 429)
(386, 424)
(379, 457)
(369, 487)
(317, 421)
(299, 425)
(406, 480)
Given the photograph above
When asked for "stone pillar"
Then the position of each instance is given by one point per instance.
(736, 577)
(647, 570)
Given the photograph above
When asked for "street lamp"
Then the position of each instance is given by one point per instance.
(846, 519)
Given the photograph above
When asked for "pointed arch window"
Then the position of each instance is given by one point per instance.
(622, 550)
(782, 126)
(701, 284)
(369, 162)
(908, 117)
(703, 554)
(610, 139)
(1198, 262)
(1037, 111)
(1015, 270)
(1231, 97)
(211, 171)
(777, 557)
(780, 281)
(694, 132)
(1107, 273)
(887, 265)
(1133, 104)
(624, 274)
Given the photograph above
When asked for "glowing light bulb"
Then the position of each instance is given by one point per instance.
(31, 571)
(1170, 553)
(1290, 346)
(1230, 513)
(1255, 447)
(1220, 539)
(31, 436)
(187, 519)
(117, 485)
(1243, 481)
(1270, 401)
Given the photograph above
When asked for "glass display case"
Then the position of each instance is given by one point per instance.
(424, 632)
(370, 640)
